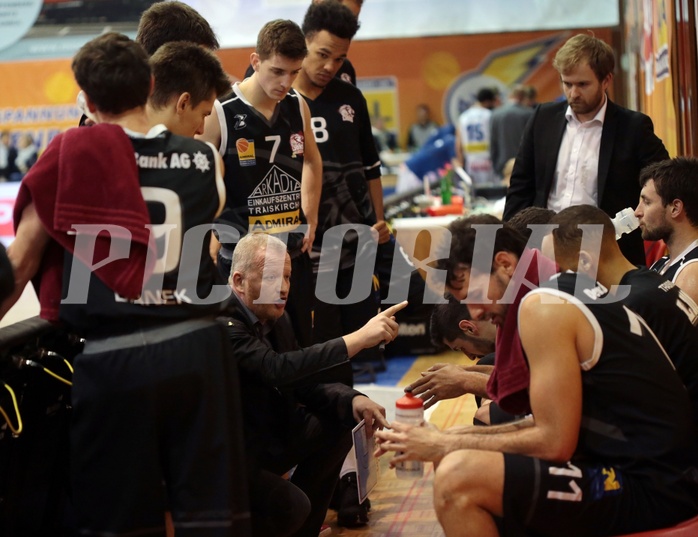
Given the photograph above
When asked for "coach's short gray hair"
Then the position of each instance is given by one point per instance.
(248, 249)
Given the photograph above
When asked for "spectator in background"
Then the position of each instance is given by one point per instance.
(473, 137)
(8, 154)
(27, 154)
(530, 95)
(507, 127)
(384, 138)
(422, 129)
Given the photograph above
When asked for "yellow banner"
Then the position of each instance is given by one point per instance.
(275, 223)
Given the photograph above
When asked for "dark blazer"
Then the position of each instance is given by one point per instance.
(274, 384)
(628, 144)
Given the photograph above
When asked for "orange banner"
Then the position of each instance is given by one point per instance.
(39, 99)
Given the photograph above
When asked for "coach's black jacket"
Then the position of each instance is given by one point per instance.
(277, 378)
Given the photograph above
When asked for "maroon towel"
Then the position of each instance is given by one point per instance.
(508, 383)
(89, 176)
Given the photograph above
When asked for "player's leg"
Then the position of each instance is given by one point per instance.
(468, 489)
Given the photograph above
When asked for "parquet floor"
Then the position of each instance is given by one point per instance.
(404, 507)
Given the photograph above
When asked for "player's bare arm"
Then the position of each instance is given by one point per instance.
(687, 281)
(25, 253)
(555, 376)
(311, 180)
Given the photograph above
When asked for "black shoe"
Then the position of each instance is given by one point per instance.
(351, 513)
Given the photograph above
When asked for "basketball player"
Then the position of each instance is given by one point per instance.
(154, 409)
(667, 211)
(188, 78)
(669, 311)
(351, 191)
(351, 194)
(273, 171)
(614, 454)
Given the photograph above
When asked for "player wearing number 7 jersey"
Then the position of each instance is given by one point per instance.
(273, 170)
(610, 447)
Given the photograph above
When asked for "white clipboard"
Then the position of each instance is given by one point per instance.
(367, 466)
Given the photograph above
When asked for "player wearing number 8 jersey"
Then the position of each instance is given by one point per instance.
(352, 194)
(611, 444)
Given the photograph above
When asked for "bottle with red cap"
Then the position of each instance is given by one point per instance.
(409, 410)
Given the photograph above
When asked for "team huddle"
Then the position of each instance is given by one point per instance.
(214, 279)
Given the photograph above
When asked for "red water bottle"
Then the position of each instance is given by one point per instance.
(409, 410)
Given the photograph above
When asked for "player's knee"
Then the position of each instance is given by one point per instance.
(454, 482)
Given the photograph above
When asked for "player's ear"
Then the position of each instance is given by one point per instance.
(676, 207)
(586, 262)
(255, 61)
(506, 261)
(183, 101)
(469, 327)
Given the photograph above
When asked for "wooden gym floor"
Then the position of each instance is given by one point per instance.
(404, 507)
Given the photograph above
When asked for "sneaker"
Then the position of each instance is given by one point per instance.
(325, 531)
(351, 513)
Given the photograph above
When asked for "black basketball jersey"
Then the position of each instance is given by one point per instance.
(263, 167)
(673, 316)
(636, 413)
(671, 272)
(346, 72)
(183, 189)
(342, 128)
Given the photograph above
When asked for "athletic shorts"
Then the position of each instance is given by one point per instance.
(154, 430)
(336, 320)
(585, 500)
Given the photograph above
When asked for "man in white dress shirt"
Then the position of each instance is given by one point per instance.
(586, 149)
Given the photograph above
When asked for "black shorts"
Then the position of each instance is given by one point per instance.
(153, 431)
(336, 320)
(585, 500)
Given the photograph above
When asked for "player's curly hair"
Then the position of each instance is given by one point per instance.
(331, 16)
